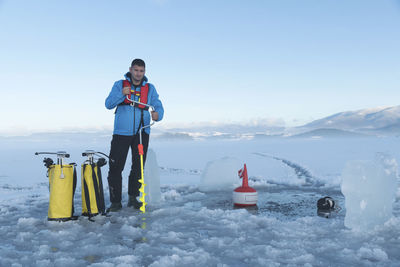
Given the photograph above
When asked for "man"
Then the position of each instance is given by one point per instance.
(129, 118)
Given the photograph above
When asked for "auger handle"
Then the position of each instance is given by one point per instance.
(151, 107)
(139, 103)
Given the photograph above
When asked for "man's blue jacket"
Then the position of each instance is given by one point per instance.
(127, 118)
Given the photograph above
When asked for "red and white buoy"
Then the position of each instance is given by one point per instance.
(244, 195)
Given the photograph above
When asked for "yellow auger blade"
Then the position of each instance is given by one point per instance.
(142, 187)
(142, 198)
(143, 207)
(141, 180)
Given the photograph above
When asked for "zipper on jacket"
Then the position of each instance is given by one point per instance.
(134, 123)
(134, 110)
(134, 117)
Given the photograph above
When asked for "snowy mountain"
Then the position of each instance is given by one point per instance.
(360, 123)
(379, 120)
(319, 133)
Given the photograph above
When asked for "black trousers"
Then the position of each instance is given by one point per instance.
(120, 145)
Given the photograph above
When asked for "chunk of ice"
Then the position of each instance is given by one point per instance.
(220, 174)
(152, 178)
(370, 189)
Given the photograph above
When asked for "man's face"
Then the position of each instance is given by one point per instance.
(137, 72)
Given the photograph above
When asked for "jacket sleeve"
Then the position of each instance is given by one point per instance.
(156, 103)
(115, 97)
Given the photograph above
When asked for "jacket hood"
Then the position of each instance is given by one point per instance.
(128, 76)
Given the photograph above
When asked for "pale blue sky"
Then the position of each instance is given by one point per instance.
(224, 61)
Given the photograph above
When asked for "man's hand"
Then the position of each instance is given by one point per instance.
(154, 115)
(126, 90)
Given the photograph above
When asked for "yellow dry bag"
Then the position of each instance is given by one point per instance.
(62, 185)
(92, 186)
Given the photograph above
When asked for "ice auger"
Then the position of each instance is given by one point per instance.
(141, 153)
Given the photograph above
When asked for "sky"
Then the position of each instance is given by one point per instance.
(280, 62)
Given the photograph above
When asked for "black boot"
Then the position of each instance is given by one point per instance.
(115, 207)
(133, 202)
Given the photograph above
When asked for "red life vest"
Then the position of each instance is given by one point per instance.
(143, 93)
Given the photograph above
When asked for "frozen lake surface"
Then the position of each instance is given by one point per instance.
(196, 227)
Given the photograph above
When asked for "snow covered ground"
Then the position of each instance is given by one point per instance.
(193, 227)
